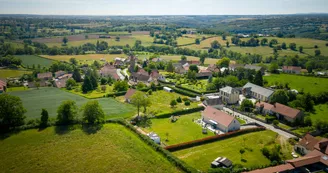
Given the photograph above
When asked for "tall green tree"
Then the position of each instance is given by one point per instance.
(223, 62)
(258, 80)
(65, 40)
(67, 112)
(77, 75)
(139, 99)
(44, 118)
(300, 49)
(11, 111)
(279, 96)
(197, 41)
(87, 85)
(169, 67)
(93, 113)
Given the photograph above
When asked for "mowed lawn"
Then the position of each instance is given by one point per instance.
(30, 60)
(309, 84)
(183, 130)
(113, 148)
(4, 73)
(202, 156)
(50, 98)
(321, 113)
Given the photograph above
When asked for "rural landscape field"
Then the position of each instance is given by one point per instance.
(164, 86)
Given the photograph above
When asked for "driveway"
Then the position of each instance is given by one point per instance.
(268, 126)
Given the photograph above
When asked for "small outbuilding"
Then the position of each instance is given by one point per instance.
(222, 162)
(168, 89)
(153, 136)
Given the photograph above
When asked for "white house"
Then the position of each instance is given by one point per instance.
(257, 92)
(220, 120)
(229, 95)
(167, 89)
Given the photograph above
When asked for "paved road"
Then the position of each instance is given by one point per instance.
(249, 120)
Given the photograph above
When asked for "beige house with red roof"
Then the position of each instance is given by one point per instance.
(286, 112)
(220, 120)
(129, 94)
(264, 108)
(306, 144)
(291, 69)
(141, 75)
(109, 70)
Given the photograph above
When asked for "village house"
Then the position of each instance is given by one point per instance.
(233, 67)
(254, 67)
(203, 73)
(213, 68)
(156, 60)
(212, 99)
(60, 82)
(306, 144)
(129, 94)
(220, 120)
(119, 62)
(59, 73)
(229, 95)
(109, 71)
(291, 69)
(3, 86)
(257, 92)
(264, 108)
(178, 68)
(141, 75)
(45, 76)
(287, 113)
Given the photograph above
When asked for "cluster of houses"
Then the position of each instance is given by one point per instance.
(315, 157)
(59, 79)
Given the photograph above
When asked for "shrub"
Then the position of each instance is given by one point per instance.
(44, 118)
(180, 112)
(275, 122)
(173, 103)
(187, 103)
(179, 100)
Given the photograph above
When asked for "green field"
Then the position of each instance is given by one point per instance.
(29, 60)
(50, 98)
(160, 102)
(111, 149)
(4, 73)
(321, 113)
(309, 84)
(201, 156)
(199, 86)
(84, 58)
(92, 94)
(183, 130)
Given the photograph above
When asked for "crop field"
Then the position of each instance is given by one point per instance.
(88, 57)
(4, 73)
(50, 98)
(320, 113)
(185, 40)
(30, 60)
(313, 84)
(206, 44)
(202, 156)
(183, 130)
(113, 148)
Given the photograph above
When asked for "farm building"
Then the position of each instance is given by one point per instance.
(178, 68)
(141, 75)
(220, 120)
(264, 108)
(291, 69)
(109, 70)
(119, 62)
(129, 94)
(229, 95)
(287, 113)
(167, 89)
(45, 76)
(221, 162)
(213, 68)
(257, 92)
(3, 86)
(61, 81)
(204, 73)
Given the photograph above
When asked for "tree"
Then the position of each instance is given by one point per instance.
(117, 38)
(197, 41)
(73, 61)
(227, 43)
(169, 67)
(70, 83)
(300, 49)
(37, 85)
(215, 44)
(65, 40)
(76, 75)
(183, 58)
(173, 103)
(264, 41)
(292, 46)
(67, 112)
(103, 88)
(283, 45)
(317, 52)
(246, 105)
(44, 118)
(273, 68)
(11, 111)
(224, 37)
(275, 122)
(202, 57)
(87, 85)
(93, 113)
(120, 86)
(258, 80)
(194, 68)
(179, 100)
(310, 66)
(279, 96)
(139, 99)
(223, 62)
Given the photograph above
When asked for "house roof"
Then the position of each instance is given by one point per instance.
(44, 75)
(285, 110)
(218, 116)
(306, 160)
(266, 106)
(129, 93)
(322, 145)
(292, 68)
(258, 89)
(253, 67)
(308, 141)
(59, 73)
(154, 74)
(61, 83)
(109, 70)
(228, 89)
(65, 76)
(274, 169)
(3, 83)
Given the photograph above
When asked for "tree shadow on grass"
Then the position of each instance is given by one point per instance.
(91, 128)
(64, 129)
(5, 134)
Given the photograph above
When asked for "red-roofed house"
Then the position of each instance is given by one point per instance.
(129, 94)
(141, 75)
(3, 86)
(291, 69)
(264, 108)
(280, 168)
(59, 73)
(306, 144)
(285, 112)
(109, 70)
(204, 73)
(220, 120)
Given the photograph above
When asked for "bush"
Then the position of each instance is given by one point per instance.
(275, 122)
(184, 92)
(187, 103)
(180, 112)
(179, 100)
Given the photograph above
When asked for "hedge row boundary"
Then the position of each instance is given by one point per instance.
(184, 92)
(210, 139)
(195, 91)
(180, 112)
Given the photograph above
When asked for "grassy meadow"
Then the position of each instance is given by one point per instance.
(202, 156)
(309, 84)
(113, 148)
(30, 60)
(183, 130)
(320, 113)
(92, 94)
(87, 57)
(50, 98)
(4, 73)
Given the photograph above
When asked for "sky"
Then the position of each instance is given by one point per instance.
(162, 7)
